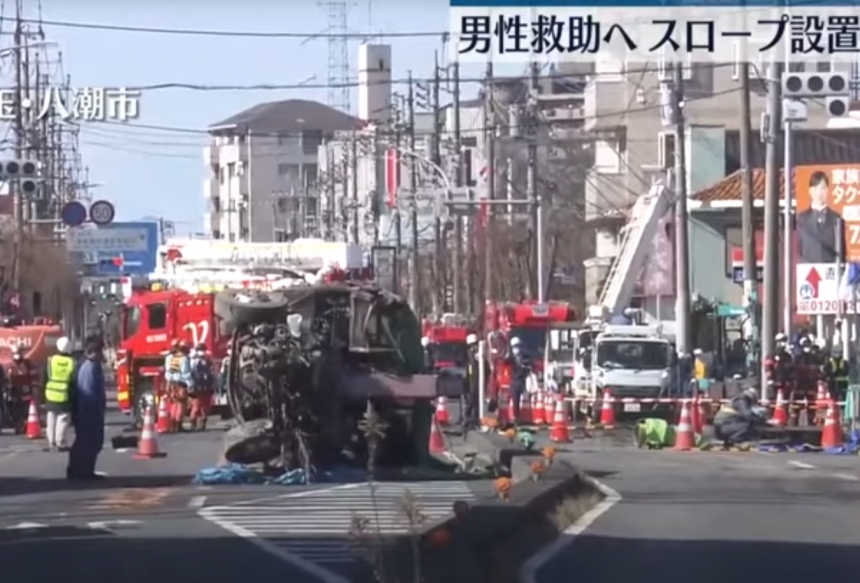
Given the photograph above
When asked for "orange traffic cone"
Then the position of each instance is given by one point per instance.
(780, 412)
(34, 427)
(607, 410)
(163, 424)
(437, 442)
(548, 407)
(442, 417)
(821, 402)
(831, 435)
(147, 448)
(684, 438)
(559, 432)
(538, 412)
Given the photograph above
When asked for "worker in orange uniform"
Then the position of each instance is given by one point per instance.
(22, 380)
(202, 387)
(177, 373)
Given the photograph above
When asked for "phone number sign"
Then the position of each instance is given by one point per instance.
(819, 291)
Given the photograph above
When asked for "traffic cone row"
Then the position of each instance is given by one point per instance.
(607, 410)
(559, 432)
(538, 410)
(684, 438)
(442, 417)
(822, 399)
(831, 435)
(437, 442)
(163, 424)
(34, 426)
(147, 447)
(780, 411)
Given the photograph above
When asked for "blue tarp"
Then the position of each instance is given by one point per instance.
(240, 474)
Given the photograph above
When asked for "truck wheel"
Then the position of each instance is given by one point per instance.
(251, 443)
(262, 308)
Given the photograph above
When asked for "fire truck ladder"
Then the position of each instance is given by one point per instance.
(636, 238)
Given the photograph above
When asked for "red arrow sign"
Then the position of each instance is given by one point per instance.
(813, 278)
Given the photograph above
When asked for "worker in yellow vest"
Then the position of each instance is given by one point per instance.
(700, 367)
(59, 372)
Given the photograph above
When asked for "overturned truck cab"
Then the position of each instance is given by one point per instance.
(308, 364)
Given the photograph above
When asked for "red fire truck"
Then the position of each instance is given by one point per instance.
(528, 321)
(446, 340)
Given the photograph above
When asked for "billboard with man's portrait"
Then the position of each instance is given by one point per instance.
(827, 223)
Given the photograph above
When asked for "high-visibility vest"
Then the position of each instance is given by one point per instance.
(60, 371)
(175, 366)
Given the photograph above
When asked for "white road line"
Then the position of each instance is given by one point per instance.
(529, 569)
(314, 533)
(801, 465)
(197, 502)
(847, 477)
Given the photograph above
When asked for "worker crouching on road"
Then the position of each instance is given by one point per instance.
(59, 388)
(21, 380)
(88, 415)
(177, 373)
(202, 387)
(740, 421)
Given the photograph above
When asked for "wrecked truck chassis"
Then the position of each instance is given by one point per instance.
(300, 399)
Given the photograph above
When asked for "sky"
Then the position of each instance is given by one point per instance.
(155, 173)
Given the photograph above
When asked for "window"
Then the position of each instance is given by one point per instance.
(283, 169)
(824, 66)
(156, 316)
(309, 175)
(796, 67)
(470, 142)
(311, 141)
(666, 149)
(131, 322)
(222, 173)
(282, 138)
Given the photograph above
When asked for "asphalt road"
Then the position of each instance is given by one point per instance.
(146, 521)
(714, 517)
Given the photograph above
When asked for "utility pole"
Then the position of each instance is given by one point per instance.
(747, 223)
(415, 280)
(682, 249)
(440, 285)
(17, 195)
(354, 186)
(398, 227)
(770, 318)
(490, 136)
(535, 260)
(457, 264)
(343, 221)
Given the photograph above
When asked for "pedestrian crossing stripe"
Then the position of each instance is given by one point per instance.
(314, 529)
(130, 499)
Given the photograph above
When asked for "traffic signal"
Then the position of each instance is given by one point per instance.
(25, 172)
(833, 88)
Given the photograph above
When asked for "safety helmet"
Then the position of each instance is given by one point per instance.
(752, 393)
(200, 346)
(425, 342)
(175, 344)
(697, 352)
(63, 345)
(780, 337)
(515, 341)
(471, 339)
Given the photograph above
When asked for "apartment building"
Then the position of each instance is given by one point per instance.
(632, 146)
(263, 168)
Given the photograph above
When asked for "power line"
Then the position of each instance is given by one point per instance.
(230, 33)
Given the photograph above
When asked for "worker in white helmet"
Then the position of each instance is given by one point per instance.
(521, 368)
(59, 375)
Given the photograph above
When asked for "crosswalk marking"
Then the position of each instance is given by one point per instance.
(314, 527)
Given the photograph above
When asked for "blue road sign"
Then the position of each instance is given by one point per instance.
(130, 262)
(74, 214)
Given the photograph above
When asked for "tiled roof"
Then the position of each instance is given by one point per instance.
(731, 187)
(291, 115)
